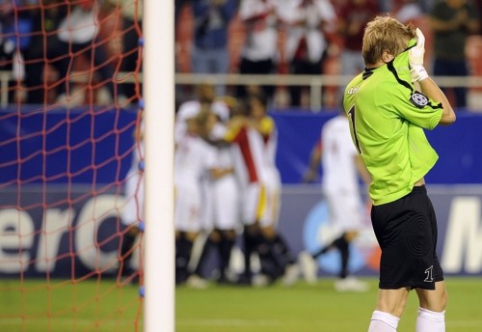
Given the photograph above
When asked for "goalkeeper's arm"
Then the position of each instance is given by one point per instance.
(427, 85)
(431, 90)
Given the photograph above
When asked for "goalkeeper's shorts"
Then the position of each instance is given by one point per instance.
(407, 233)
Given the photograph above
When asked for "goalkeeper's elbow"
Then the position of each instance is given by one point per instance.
(448, 116)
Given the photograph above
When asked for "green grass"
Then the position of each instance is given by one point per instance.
(62, 306)
(309, 308)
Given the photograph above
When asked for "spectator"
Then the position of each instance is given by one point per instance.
(452, 21)
(210, 47)
(307, 22)
(44, 22)
(353, 17)
(15, 29)
(259, 50)
(78, 34)
(407, 11)
(131, 12)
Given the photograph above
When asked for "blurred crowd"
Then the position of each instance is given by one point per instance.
(43, 43)
(73, 51)
(310, 37)
(227, 194)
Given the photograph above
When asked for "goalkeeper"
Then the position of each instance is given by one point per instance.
(387, 120)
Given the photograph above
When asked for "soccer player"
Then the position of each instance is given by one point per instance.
(221, 221)
(387, 120)
(256, 139)
(193, 159)
(341, 167)
(205, 95)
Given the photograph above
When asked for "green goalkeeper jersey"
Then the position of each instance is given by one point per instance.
(387, 116)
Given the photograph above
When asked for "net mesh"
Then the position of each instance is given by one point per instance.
(69, 74)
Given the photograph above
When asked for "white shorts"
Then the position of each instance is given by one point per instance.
(261, 203)
(133, 210)
(188, 209)
(226, 203)
(207, 203)
(346, 210)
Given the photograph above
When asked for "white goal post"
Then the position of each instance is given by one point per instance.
(158, 92)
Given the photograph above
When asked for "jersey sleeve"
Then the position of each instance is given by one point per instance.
(267, 126)
(418, 109)
(231, 133)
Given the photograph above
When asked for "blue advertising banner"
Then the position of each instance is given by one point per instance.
(459, 146)
(65, 146)
(305, 220)
(43, 233)
(94, 146)
(62, 176)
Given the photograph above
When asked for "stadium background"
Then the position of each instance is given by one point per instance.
(75, 192)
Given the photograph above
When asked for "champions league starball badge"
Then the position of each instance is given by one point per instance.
(419, 99)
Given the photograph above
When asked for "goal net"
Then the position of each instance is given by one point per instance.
(71, 165)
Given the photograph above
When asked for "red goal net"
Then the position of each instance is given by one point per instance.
(70, 165)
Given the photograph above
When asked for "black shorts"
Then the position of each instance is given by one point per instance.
(406, 231)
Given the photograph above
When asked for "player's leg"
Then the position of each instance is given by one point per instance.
(390, 306)
(337, 204)
(273, 264)
(187, 222)
(183, 253)
(251, 233)
(406, 231)
(226, 216)
(431, 313)
(250, 244)
(211, 242)
(225, 247)
(395, 269)
(340, 243)
(281, 251)
(206, 220)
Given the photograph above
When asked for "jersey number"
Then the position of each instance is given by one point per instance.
(351, 113)
(429, 273)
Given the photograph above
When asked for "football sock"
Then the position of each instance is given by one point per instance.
(430, 321)
(383, 322)
(281, 247)
(250, 242)
(225, 246)
(184, 247)
(206, 250)
(272, 264)
(339, 243)
(345, 256)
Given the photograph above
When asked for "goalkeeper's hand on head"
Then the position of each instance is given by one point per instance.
(415, 58)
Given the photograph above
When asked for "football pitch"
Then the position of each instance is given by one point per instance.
(63, 306)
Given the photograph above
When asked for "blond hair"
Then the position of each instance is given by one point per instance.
(385, 33)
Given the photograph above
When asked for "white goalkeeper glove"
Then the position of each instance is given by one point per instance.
(415, 58)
